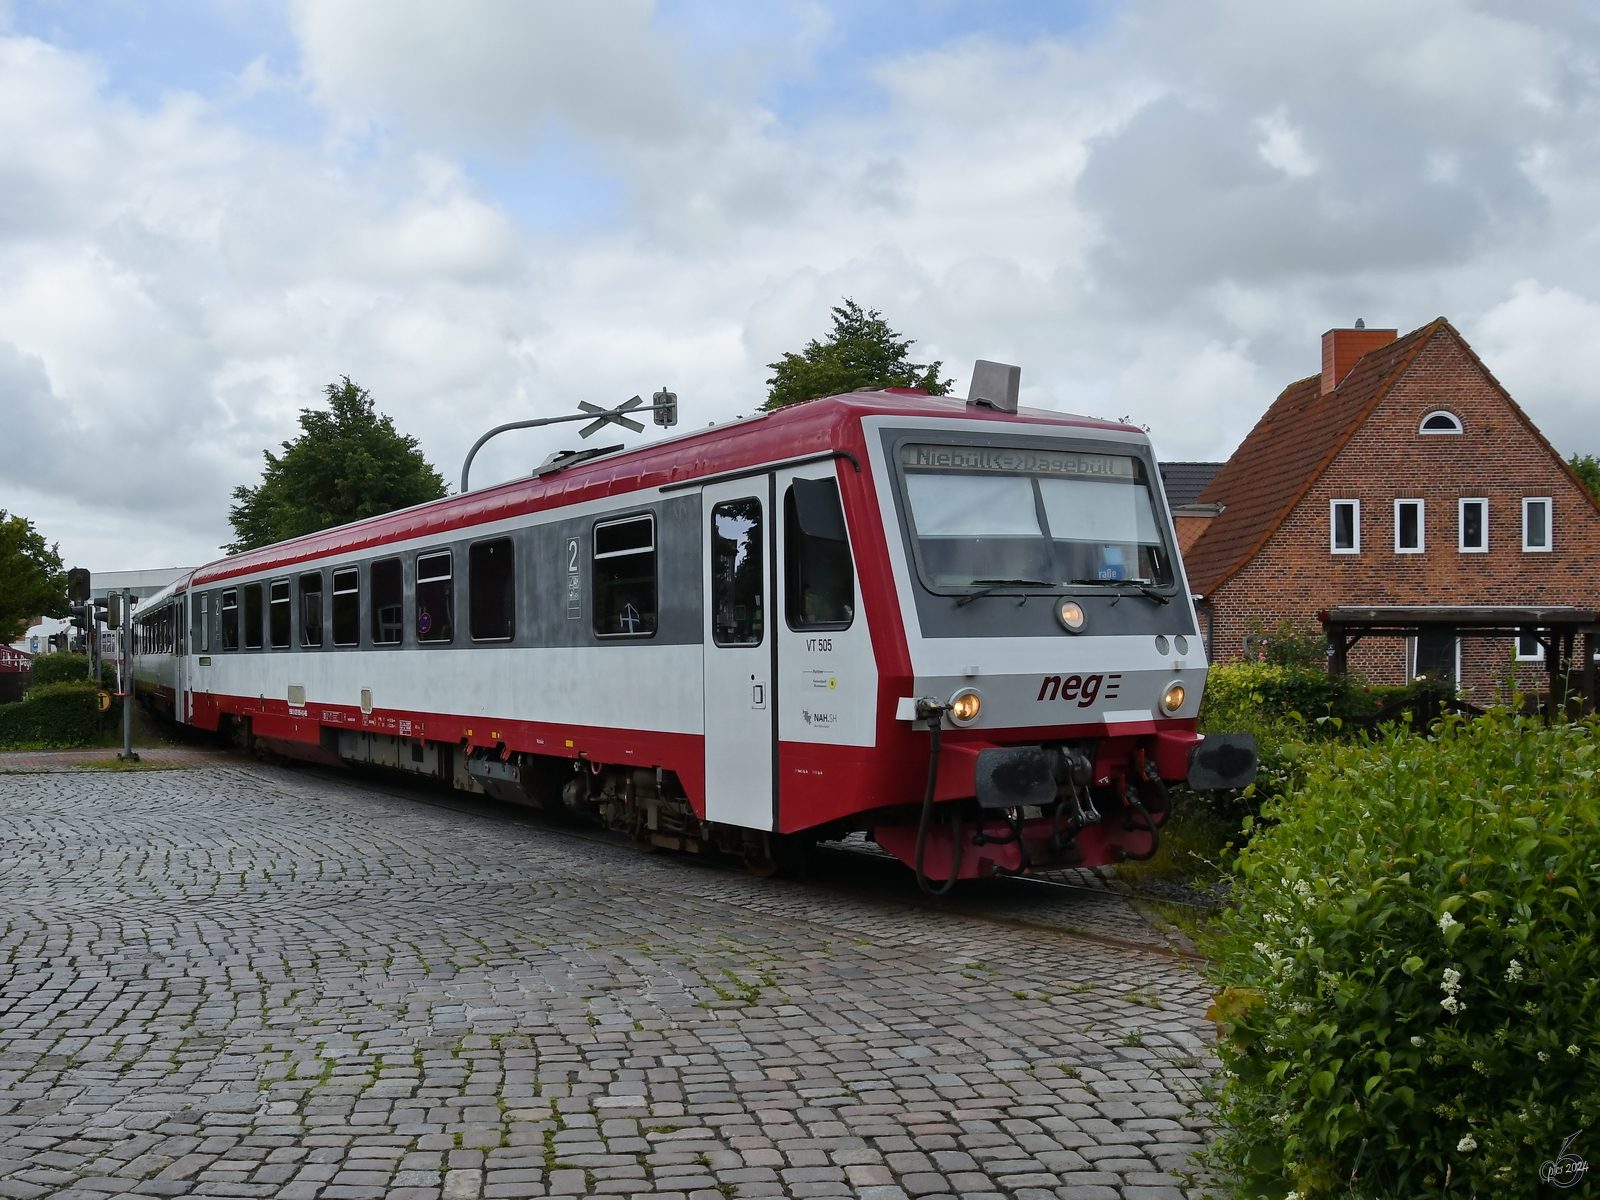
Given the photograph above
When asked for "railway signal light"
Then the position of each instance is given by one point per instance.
(82, 616)
(78, 585)
(666, 405)
(114, 610)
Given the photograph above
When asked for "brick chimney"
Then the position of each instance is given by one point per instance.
(1343, 348)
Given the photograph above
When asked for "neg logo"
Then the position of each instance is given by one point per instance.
(1566, 1169)
(1085, 689)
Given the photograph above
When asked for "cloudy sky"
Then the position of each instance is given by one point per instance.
(485, 210)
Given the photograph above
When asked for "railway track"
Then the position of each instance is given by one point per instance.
(889, 882)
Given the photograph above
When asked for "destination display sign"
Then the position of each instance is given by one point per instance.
(1018, 461)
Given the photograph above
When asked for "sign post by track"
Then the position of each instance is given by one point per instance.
(663, 406)
(119, 616)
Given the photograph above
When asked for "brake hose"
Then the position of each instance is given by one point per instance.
(1155, 830)
(933, 713)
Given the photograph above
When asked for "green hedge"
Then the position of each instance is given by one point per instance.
(1409, 974)
(54, 715)
(59, 668)
(1290, 709)
(69, 668)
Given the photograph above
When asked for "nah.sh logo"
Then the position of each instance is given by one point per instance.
(1085, 689)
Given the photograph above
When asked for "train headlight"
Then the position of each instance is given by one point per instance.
(965, 706)
(1172, 698)
(1070, 613)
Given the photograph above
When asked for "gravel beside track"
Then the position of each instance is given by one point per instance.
(240, 980)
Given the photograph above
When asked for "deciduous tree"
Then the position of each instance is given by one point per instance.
(348, 463)
(862, 352)
(32, 582)
(1587, 468)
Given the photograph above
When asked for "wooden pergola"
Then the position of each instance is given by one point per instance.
(1555, 627)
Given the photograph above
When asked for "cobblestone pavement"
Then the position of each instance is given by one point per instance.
(237, 980)
(28, 761)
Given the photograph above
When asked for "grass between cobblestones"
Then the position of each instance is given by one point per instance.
(243, 981)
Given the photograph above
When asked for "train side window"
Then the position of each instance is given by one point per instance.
(253, 616)
(279, 618)
(492, 591)
(230, 619)
(387, 596)
(820, 582)
(311, 609)
(199, 626)
(624, 574)
(347, 607)
(435, 601)
(737, 573)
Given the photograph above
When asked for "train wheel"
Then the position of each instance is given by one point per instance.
(774, 854)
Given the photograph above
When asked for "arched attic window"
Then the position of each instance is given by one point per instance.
(1440, 421)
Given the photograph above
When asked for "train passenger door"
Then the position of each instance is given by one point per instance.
(740, 709)
(827, 672)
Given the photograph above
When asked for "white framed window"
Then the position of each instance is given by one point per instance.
(1410, 535)
(1472, 528)
(1529, 648)
(1536, 537)
(1344, 526)
(1440, 421)
(1435, 654)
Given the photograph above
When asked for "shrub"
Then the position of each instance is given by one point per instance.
(54, 715)
(59, 668)
(1288, 644)
(1409, 974)
(69, 668)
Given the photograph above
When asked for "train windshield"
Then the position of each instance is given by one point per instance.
(988, 515)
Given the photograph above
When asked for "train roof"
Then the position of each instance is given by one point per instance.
(814, 427)
(176, 588)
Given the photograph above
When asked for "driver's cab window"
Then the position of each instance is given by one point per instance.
(819, 580)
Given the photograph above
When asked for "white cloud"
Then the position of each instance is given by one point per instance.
(1114, 212)
(1543, 343)
(1282, 147)
(492, 73)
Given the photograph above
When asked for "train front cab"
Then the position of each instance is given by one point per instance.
(1056, 667)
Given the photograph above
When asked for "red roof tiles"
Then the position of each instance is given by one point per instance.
(1284, 454)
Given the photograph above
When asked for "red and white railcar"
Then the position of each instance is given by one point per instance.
(962, 628)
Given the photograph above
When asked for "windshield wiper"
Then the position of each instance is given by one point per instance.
(999, 583)
(1143, 586)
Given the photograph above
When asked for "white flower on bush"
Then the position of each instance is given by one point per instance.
(1544, 1056)
(1467, 1144)
(1574, 1051)
(1416, 1041)
(1302, 888)
(1513, 971)
(1447, 922)
(1451, 985)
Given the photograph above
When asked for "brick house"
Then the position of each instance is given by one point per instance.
(1403, 474)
